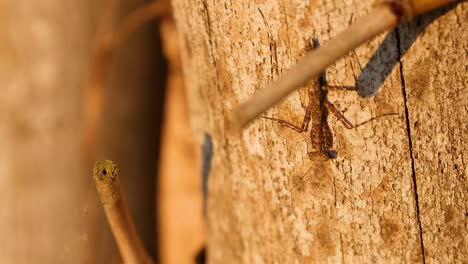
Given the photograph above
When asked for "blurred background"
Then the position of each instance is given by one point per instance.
(65, 104)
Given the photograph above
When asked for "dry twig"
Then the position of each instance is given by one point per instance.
(107, 40)
(110, 36)
(385, 15)
(107, 179)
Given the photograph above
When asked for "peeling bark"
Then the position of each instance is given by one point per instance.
(361, 207)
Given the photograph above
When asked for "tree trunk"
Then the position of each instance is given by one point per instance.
(179, 193)
(44, 54)
(49, 209)
(396, 191)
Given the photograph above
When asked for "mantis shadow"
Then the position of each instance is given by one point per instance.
(383, 61)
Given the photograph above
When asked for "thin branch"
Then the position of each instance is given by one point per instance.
(93, 92)
(139, 17)
(384, 16)
(108, 38)
(106, 175)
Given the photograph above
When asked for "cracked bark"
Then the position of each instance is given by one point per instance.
(410, 144)
(434, 70)
(255, 212)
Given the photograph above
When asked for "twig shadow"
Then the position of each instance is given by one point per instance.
(383, 61)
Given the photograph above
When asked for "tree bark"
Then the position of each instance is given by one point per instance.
(435, 77)
(397, 190)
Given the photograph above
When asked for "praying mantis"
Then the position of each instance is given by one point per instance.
(316, 112)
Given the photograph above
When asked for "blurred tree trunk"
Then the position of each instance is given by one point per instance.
(43, 66)
(50, 212)
(179, 193)
(397, 190)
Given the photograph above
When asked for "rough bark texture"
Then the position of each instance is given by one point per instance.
(385, 191)
(435, 80)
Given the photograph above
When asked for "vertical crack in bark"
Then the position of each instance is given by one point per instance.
(273, 47)
(283, 6)
(408, 130)
(208, 28)
(342, 249)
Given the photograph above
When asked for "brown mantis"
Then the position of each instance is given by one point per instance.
(386, 15)
(316, 112)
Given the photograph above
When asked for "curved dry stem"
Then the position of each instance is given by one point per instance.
(106, 176)
(137, 18)
(108, 38)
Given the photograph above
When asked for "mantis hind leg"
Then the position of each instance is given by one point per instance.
(339, 115)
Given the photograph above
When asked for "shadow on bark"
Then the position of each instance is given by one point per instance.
(376, 71)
